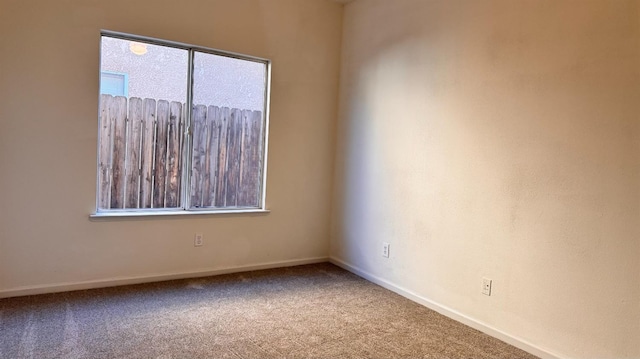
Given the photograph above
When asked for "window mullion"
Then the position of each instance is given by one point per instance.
(188, 137)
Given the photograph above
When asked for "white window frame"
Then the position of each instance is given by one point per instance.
(185, 207)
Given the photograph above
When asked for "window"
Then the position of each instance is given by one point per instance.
(113, 83)
(182, 129)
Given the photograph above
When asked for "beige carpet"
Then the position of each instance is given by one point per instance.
(314, 311)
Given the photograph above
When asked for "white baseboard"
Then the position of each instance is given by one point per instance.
(451, 313)
(112, 282)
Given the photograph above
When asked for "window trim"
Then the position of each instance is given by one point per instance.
(163, 212)
(188, 137)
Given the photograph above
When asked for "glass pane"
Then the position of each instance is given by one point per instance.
(113, 84)
(228, 125)
(142, 113)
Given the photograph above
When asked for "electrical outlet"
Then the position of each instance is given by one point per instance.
(385, 249)
(486, 286)
(198, 240)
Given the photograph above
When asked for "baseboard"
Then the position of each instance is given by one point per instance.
(112, 282)
(451, 313)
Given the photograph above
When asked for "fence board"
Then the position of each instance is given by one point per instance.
(257, 162)
(233, 158)
(174, 135)
(148, 144)
(104, 153)
(248, 188)
(220, 194)
(257, 138)
(118, 114)
(205, 175)
(160, 169)
(245, 138)
(199, 117)
(213, 150)
(132, 170)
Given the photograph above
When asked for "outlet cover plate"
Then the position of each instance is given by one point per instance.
(385, 249)
(198, 240)
(486, 286)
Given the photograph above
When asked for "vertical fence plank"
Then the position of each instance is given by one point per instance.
(148, 131)
(213, 143)
(104, 153)
(233, 158)
(132, 171)
(220, 193)
(118, 114)
(257, 157)
(173, 155)
(160, 163)
(249, 186)
(199, 138)
(245, 149)
(185, 150)
(205, 175)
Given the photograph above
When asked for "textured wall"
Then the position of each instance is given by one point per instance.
(498, 139)
(49, 56)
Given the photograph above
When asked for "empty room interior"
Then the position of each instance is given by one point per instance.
(426, 178)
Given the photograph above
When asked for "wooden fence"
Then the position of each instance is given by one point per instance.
(141, 155)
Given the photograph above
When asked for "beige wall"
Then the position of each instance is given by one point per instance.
(49, 63)
(497, 139)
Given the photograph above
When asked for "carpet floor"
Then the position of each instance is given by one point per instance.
(312, 311)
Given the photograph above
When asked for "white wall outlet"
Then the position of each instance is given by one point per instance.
(486, 286)
(385, 249)
(198, 240)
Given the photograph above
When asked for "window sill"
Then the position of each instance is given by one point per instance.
(163, 213)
